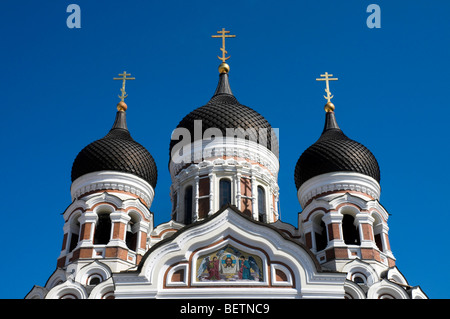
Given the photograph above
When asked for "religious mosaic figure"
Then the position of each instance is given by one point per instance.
(229, 264)
(213, 269)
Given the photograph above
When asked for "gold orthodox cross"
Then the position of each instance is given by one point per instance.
(327, 79)
(124, 79)
(223, 36)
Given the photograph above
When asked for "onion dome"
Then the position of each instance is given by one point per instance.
(224, 111)
(117, 151)
(335, 152)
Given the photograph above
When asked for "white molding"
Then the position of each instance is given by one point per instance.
(112, 180)
(337, 181)
(386, 287)
(203, 150)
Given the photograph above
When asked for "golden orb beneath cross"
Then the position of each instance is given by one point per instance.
(121, 106)
(329, 107)
(224, 68)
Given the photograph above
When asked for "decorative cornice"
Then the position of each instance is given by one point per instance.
(338, 181)
(204, 151)
(112, 180)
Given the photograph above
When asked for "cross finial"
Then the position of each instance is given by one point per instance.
(327, 79)
(223, 35)
(124, 79)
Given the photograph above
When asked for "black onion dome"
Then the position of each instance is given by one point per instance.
(117, 151)
(224, 111)
(335, 152)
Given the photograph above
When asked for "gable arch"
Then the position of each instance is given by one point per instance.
(94, 269)
(385, 289)
(230, 227)
(362, 269)
(67, 290)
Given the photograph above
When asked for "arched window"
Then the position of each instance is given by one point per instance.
(103, 229)
(378, 232)
(94, 280)
(74, 234)
(359, 279)
(132, 233)
(351, 233)
(320, 234)
(188, 205)
(261, 204)
(224, 192)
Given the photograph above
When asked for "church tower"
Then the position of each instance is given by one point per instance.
(224, 153)
(108, 223)
(113, 186)
(338, 183)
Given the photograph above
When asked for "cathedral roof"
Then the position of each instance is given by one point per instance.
(224, 111)
(335, 152)
(117, 151)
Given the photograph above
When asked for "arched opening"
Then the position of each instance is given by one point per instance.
(320, 234)
(131, 237)
(74, 233)
(378, 232)
(359, 279)
(188, 205)
(102, 229)
(224, 192)
(94, 280)
(350, 231)
(261, 204)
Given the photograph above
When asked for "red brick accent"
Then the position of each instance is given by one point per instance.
(370, 253)
(391, 262)
(336, 253)
(280, 276)
(246, 206)
(64, 242)
(85, 252)
(116, 252)
(203, 207)
(143, 240)
(85, 231)
(178, 276)
(388, 245)
(246, 187)
(333, 231)
(118, 231)
(61, 262)
(367, 231)
(203, 186)
(308, 240)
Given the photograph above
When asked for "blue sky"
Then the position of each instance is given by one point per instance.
(58, 96)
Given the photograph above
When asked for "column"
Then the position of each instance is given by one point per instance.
(87, 223)
(238, 190)
(333, 222)
(365, 226)
(212, 189)
(119, 221)
(195, 199)
(254, 198)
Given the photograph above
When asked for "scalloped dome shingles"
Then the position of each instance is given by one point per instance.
(335, 152)
(117, 151)
(224, 111)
